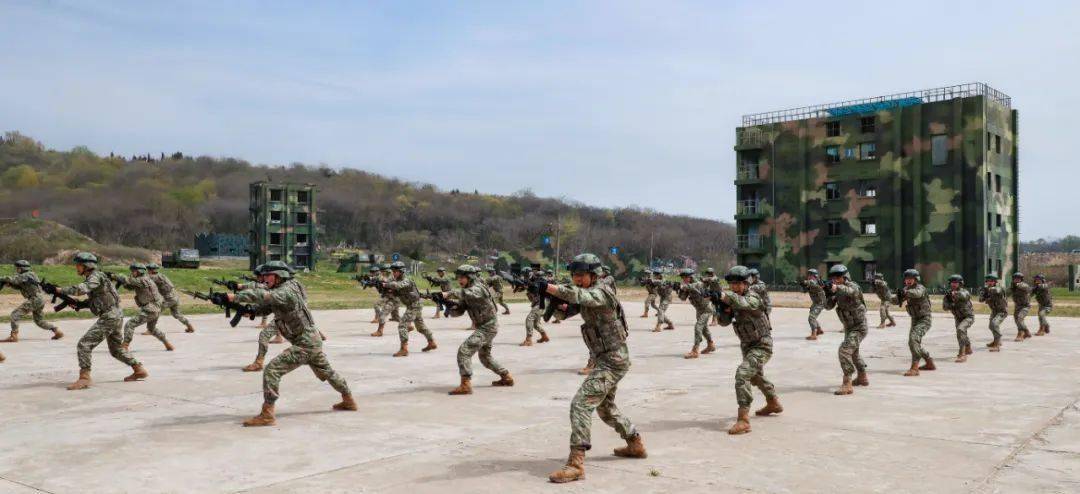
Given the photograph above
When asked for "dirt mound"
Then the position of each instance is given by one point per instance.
(47, 242)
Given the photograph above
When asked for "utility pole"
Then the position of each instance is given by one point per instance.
(558, 245)
(652, 241)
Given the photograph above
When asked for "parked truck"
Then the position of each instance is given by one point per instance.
(181, 258)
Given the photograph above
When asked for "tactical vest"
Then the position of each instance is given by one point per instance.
(297, 319)
(605, 327)
(960, 305)
(164, 286)
(482, 309)
(816, 292)
(751, 325)
(851, 309)
(1042, 295)
(104, 298)
(995, 299)
(1021, 295)
(146, 291)
(919, 307)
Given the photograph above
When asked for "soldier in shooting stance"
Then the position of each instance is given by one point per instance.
(958, 301)
(440, 280)
(847, 299)
(813, 286)
(402, 288)
(170, 301)
(917, 298)
(761, 289)
(650, 292)
(663, 293)
(149, 301)
(1021, 295)
(29, 286)
(696, 292)
(1046, 303)
(881, 289)
(267, 332)
(495, 282)
(994, 297)
(104, 303)
(478, 300)
(536, 314)
(712, 283)
(746, 314)
(386, 308)
(604, 332)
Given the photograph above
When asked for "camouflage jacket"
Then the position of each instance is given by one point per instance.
(696, 292)
(663, 290)
(1042, 295)
(289, 306)
(849, 304)
(384, 291)
(747, 317)
(104, 301)
(605, 328)
(712, 283)
(478, 301)
(881, 289)
(762, 291)
(1021, 295)
(994, 296)
(959, 303)
(816, 292)
(164, 286)
(650, 286)
(28, 284)
(495, 283)
(917, 301)
(610, 282)
(146, 291)
(443, 283)
(405, 291)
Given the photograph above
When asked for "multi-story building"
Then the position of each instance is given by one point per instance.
(925, 180)
(283, 224)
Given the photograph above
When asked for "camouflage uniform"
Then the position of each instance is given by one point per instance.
(390, 303)
(881, 289)
(650, 296)
(495, 282)
(817, 303)
(28, 285)
(959, 304)
(712, 283)
(478, 301)
(534, 318)
(851, 309)
(762, 290)
(663, 293)
(1021, 295)
(149, 301)
(405, 291)
(443, 283)
(917, 299)
(169, 300)
(696, 293)
(994, 297)
(1046, 304)
(751, 325)
(105, 304)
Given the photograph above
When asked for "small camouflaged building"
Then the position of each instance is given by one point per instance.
(284, 224)
(924, 179)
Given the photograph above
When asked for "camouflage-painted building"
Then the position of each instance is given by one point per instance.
(283, 224)
(925, 179)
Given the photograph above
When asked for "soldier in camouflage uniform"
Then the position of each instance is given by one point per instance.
(373, 275)
(608, 279)
(812, 285)
(149, 301)
(663, 293)
(1021, 295)
(994, 297)
(388, 303)
(695, 291)
(170, 301)
(604, 332)
(439, 280)
(28, 284)
(536, 314)
(478, 300)
(712, 283)
(285, 298)
(650, 292)
(403, 288)
(746, 315)
(267, 331)
(761, 289)
(105, 304)
(495, 282)
(881, 289)
(917, 298)
(847, 299)
(958, 301)
(1046, 303)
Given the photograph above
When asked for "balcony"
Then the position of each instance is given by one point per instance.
(749, 243)
(751, 138)
(748, 173)
(749, 209)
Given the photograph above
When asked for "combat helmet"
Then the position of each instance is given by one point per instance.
(838, 270)
(912, 273)
(710, 271)
(686, 272)
(647, 271)
(879, 276)
(22, 264)
(374, 269)
(153, 266)
(86, 258)
(588, 263)
(278, 268)
(467, 270)
(812, 272)
(491, 269)
(737, 273)
(397, 266)
(991, 277)
(1018, 275)
(138, 268)
(440, 270)
(957, 278)
(1040, 277)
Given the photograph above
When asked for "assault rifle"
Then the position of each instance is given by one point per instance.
(230, 284)
(901, 293)
(717, 299)
(517, 283)
(551, 303)
(65, 300)
(441, 301)
(369, 282)
(115, 278)
(233, 310)
(827, 285)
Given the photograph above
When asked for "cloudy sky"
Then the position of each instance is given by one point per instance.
(607, 103)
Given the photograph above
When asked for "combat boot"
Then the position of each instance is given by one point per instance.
(2, 357)
(14, 338)
(634, 448)
(378, 332)
(693, 353)
(277, 340)
(861, 380)
(1027, 334)
(57, 334)
(1042, 331)
(438, 314)
(585, 371)
(961, 358)
(322, 335)
(821, 331)
(255, 366)
(813, 336)
(657, 328)
(190, 328)
(929, 365)
(147, 333)
(505, 379)
(83, 382)
(347, 404)
(845, 387)
(264, 418)
(403, 351)
(995, 346)
(430, 345)
(138, 373)
(168, 346)
(465, 388)
(646, 314)
(527, 342)
(742, 424)
(772, 406)
(1019, 336)
(709, 348)
(543, 338)
(669, 326)
(913, 371)
(506, 312)
(967, 349)
(573, 470)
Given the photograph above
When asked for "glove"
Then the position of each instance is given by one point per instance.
(538, 287)
(219, 299)
(232, 285)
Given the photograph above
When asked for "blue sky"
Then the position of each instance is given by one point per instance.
(606, 103)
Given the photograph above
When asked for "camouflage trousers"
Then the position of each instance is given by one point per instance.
(293, 357)
(148, 315)
(752, 371)
(387, 309)
(701, 327)
(30, 309)
(479, 342)
(173, 306)
(815, 311)
(996, 318)
(108, 328)
(919, 327)
(1020, 316)
(412, 317)
(962, 326)
(265, 336)
(883, 311)
(1043, 321)
(650, 302)
(597, 393)
(499, 301)
(532, 321)
(661, 313)
(850, 360)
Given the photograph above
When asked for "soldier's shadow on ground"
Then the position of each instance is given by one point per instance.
(712, 424)
(559, 370)
(823, 389)
(539, 468)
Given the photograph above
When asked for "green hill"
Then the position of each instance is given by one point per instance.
(46, 242)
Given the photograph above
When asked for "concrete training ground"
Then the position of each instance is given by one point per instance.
(1002, 422)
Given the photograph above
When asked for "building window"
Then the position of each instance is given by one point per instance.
(869, 226)
(939, 149)
(867, 189)
(997, 223)
(868, 151)
(849, 153)
(275, 257)
(989, 182)
(999, 267)
(997, 143)
(302, 196)
(832, 154)
(275, 195)
(832, 129)
(989, 266)
(989, 139)
(275, 239)
(302, 260)
(834, 228)
(869, 270)
(867, 125)
(832, 191)
(989, 222)
(301, 218)
(997, 182)
(301, 239)
(275, 216)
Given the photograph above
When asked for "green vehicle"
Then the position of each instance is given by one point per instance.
(181, 258)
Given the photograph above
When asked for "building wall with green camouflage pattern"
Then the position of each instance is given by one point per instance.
(283, 224)
(927, 180)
